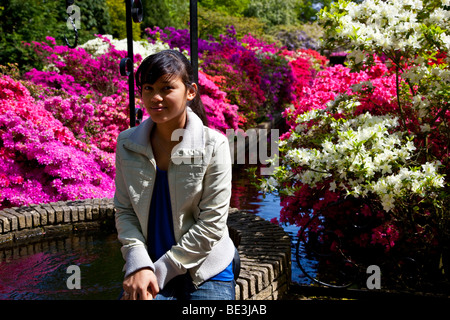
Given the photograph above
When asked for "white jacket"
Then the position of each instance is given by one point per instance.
(199, 177)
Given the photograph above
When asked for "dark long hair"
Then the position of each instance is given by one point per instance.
(170, 62)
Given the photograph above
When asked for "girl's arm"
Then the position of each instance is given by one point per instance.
(128, 228)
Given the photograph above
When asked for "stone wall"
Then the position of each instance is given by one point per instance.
(264, 248)
(265, 251)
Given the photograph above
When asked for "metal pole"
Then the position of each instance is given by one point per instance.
(194, 37)
(129, 25)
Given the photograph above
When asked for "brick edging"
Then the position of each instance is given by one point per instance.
(265, 251)
(264, 248)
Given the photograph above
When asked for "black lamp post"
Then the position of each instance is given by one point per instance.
(133, 12)
(194, 37)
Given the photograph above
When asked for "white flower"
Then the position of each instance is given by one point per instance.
(386, 168)
(358, 55)
(415, 4)
(416, 187)
(425, 127)
(445, 38)
(97, 46)
(333, 186)
(410, 146)
(429, 168)
(269, 185)
(438, 182)
(300, 156)
(50, 67)
(300, 128)
(328, 146)
(388, 202)
(308, 177)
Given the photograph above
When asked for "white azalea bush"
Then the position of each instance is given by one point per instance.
(400, 25)
(413, 37)
(101, 45)
(370, 143)
(356, 156)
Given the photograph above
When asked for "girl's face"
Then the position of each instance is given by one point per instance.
(165, 100)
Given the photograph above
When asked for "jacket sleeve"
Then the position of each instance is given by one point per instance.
(208, 231)
(129, 231)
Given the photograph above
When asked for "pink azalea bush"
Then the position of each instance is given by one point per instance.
(339, 80)
(221, 114)
(59, 125)
(91, 94)
(330, 84)
(41, 159)
(259, 78)
(98, 94)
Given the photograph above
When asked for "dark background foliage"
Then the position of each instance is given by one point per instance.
(288, 22)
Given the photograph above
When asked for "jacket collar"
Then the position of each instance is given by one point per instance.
(192, 144)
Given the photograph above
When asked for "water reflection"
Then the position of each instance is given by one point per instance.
(246, 196)
(38, 271)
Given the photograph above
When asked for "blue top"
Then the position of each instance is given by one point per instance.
(160, 224)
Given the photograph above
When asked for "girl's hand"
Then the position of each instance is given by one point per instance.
(140, 285)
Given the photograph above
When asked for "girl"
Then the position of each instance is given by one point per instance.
(172, 197)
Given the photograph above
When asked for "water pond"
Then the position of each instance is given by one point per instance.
(39, 270)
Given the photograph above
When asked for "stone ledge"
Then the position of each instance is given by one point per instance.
(264, 248)
(265, 251)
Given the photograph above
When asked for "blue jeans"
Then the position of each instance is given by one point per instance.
(182, 288)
